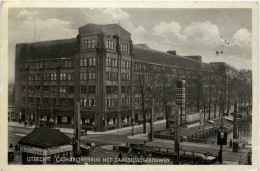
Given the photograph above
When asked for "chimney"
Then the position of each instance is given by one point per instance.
(196, 58)
(172, 52)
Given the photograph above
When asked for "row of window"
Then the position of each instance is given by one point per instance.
(113, 102)
(113, 121)
(48, 76)
(125, 76)
(52, 101)
(113, 89)
(88, 102)
(112, 62)
(91, 89)
(112, 76)
(126, 101)
(91, 76)
(66, 89)
(126, 64)
(145, 78)
(89, 44)
(87, 62)
(68, 63)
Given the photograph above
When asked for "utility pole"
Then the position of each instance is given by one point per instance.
(177, 136)
(235, 129)
(151, 122)
(78, 127)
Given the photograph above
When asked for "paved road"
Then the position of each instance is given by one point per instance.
(116, 138)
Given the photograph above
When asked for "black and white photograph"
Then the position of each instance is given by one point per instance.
(131, 85)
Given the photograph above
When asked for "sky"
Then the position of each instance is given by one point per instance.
(188, 31)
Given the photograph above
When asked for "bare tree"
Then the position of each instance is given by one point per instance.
(146, 87)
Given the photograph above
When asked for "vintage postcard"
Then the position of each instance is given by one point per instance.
(129, 85)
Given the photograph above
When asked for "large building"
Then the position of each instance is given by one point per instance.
(111, 78)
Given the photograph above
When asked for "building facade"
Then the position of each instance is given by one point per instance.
(101, 68)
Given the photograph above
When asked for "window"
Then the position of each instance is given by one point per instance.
(31, 77)
(53, 88)
(46, 100)
(87, 102)
(91, 89)
(89, 44)
(45, 89)
(114, 89)
(123, 64)
(124, 48)
(68, 64)
(83, 89)
(63, 89)
(37, 77)
(69, 75)
(30, 89)
(92, 62)
(123, 89)
(37, 88)
(70, 89)
(111, 89)
(111, 102)
(112, 76)
(62, 76)
(91, 75)
(62, 101)
(83, 76)
(70, 101)
(111, 62)
(108, 89)
(83, 62)
(91, 102)
(110, 45)
(46, 77)
(128, 64)
(125, 76)
(53, 76)
(125, 101)
(108, 62)
(30, 99)
(114, 62)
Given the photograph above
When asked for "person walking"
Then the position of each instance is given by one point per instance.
(16, 148)
(230, 143)
(120, 157)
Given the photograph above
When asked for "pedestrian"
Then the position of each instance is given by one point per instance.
(16, 148)
(120, 157)
(25, 123)
(130, 153)
(230, 143)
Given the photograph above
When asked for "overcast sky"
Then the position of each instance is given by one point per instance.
(188, 31)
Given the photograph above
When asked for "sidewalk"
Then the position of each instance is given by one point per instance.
(71, 130)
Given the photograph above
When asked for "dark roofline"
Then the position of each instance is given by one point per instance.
(164, 58)
(41, 146)
(48, 42)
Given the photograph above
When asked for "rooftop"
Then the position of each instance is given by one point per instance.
(143, 54)
(45, 137)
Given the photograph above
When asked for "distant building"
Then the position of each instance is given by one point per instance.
(100, 69)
